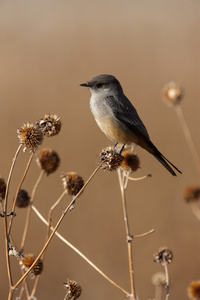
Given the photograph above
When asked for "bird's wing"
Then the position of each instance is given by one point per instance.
(126, 113)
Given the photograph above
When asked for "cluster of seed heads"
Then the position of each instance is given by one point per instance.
(31, 135)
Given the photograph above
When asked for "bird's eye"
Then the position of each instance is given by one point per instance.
(99, 85)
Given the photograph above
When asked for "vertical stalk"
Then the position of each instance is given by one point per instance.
(5, 217)
(129, 238)
(188, 136)
(29, 211)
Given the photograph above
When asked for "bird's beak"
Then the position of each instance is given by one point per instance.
(85, 84)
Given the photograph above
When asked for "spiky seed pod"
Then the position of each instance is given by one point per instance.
(50, 125)
(130, 162)
(163, 255)
(72, 182)
(193, 290)
(2, 189)
(172, 93)
(73, 289)
(23, 199)
(159, 279)
(30, 136)
(112, 160)
(29, 259)
(192, 193)
(48, 160)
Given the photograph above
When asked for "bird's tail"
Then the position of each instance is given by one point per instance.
(164, 161)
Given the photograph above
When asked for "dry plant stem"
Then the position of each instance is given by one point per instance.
(144, 234)
(5, 216)
(47, 236)
(13, 209)
(29, 211)
(27, 225)
(123, 184)
(21, 182)
(139, 178)
(56, 227)
(35, 286)
(188, 136)
(51, 211)
(24, 287)
(167, 280)
(78, 252)
(66, 296)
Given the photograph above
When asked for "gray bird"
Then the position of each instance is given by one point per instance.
(118, 118)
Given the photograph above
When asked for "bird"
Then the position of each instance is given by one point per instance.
(118, 119)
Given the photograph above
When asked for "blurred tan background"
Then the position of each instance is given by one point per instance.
(47, 48)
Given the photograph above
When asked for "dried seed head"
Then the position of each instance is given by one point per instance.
(23, 199)
(172, 93)
(130, 162)
(50, 125)
(73, 289)
(159, 278)
(112, 160)
(192, 193)
(163, 256)
(48, 160)
(72, 182)
(28, 260)
(2, 189)
(30, 136)
(193, 290)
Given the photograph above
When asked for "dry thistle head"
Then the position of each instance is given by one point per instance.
(23, 199)
(48, 160)
(73, 289)
(159, 279)
(72, 182)
(192, 193)
(28, 260)
(193, 290)
(50, 125)
(130, 162)
(30, 136)
(163, 256)
(2, 189)
(172, 93)
(112, 160)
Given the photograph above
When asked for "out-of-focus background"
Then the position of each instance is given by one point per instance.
(47, 48)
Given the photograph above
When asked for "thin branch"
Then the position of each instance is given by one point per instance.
(188, 136)
(123, 183)
(29, 211)
(78, 252)
(144, 234)
(167, 280)
(56, 227)
(51, 211)
(21, 182)
(35, 286)
(47, 236)
(5, 216)
(139, 178)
